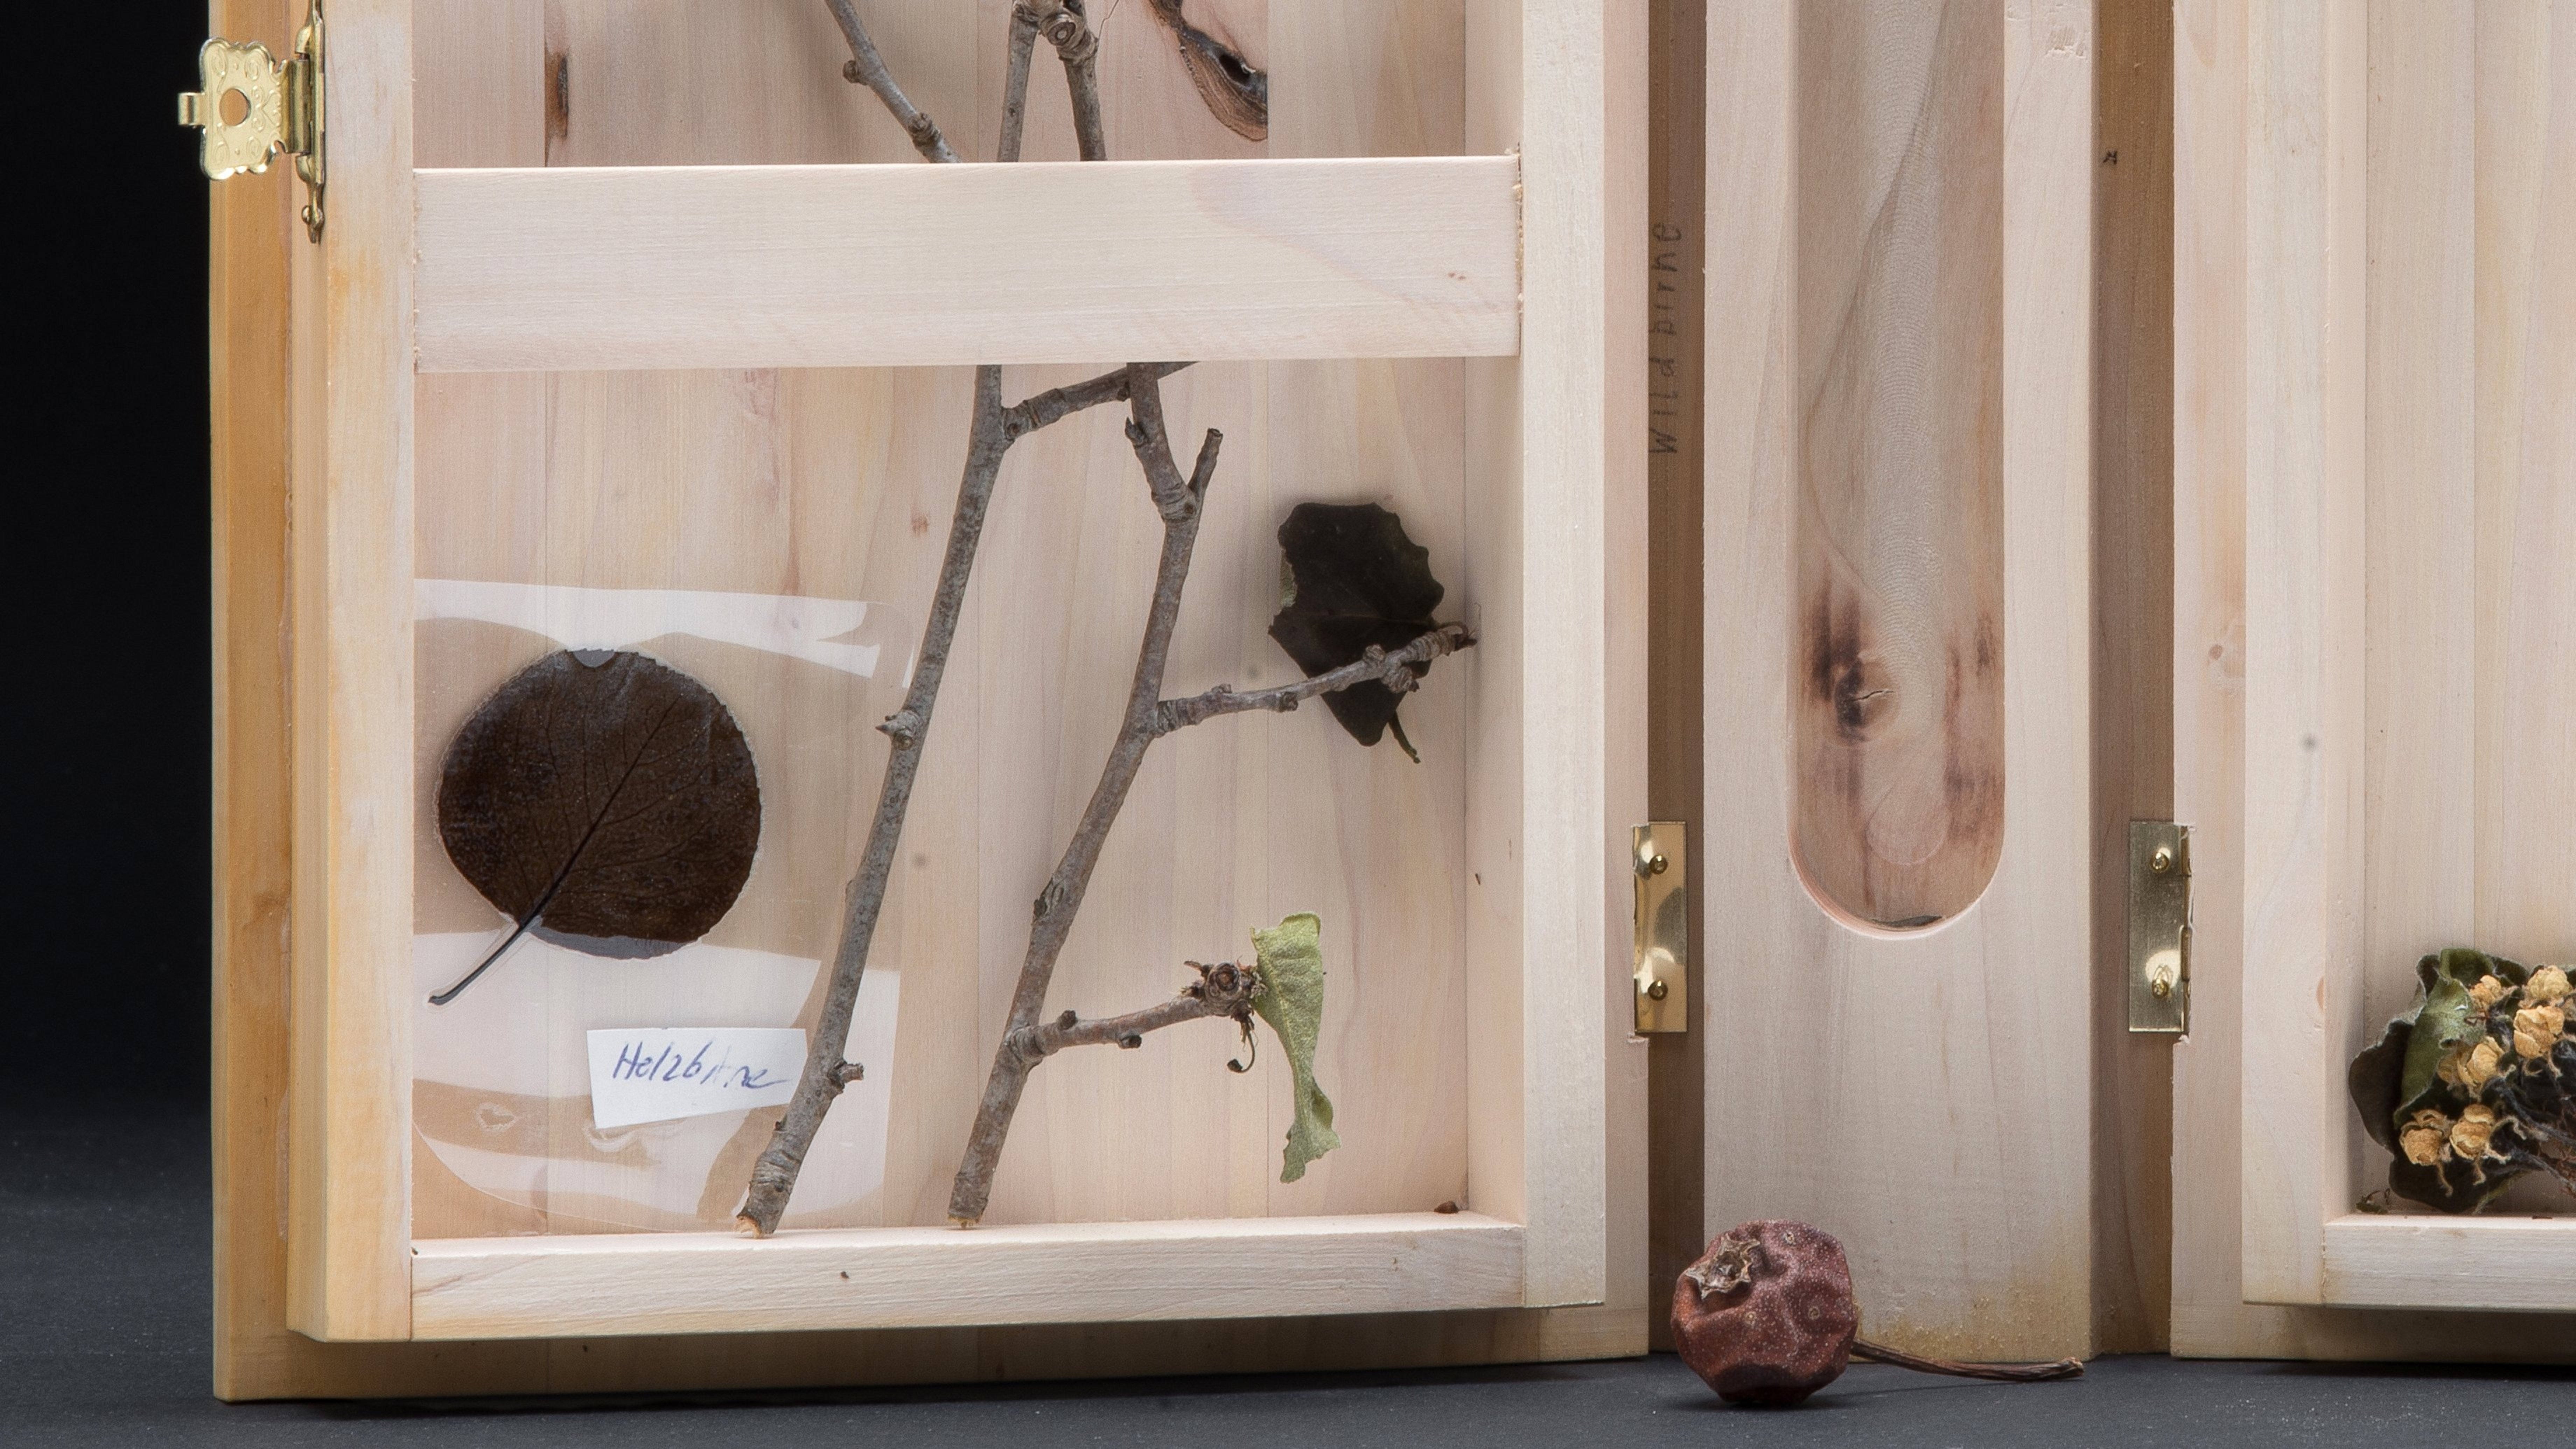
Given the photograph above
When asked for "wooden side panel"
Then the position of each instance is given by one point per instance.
(2361, 489)
(2133, 320)
(1925, 1095)
(2525, 426)
(350, 411)
(248, 295)
(1579, 213)
(2305, 65)
(1676, 315)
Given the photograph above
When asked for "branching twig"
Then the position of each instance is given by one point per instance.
(992, 431)
(1015, 83)
(1179, 503)
(1067, 29)
(996, 427)
(1375, 665)
(868, 68)
(1223, 990)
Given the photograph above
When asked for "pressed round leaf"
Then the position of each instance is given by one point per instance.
(604, 801)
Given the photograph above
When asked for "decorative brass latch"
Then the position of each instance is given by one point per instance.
(254, 106)
(2159, 926)
(1662, 861)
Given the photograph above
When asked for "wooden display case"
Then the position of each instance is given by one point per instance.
(610, 297)
(2376, 497)
(2058, 415)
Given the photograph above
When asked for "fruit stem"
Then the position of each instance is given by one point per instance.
(2010, 1373)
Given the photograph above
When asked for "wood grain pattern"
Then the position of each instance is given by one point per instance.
(248, 297)
(1899, 696)
(716, 1282)
(2509, 1264)
(2303, 514)
(565, 269)
(350, 410)
(1579, 195)
(2133, 575)
(1676, 317)
(1926, 1096)
(2526, 475)
(2453, 113)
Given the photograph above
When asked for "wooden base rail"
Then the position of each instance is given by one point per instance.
(611, 1285)
(608, 268)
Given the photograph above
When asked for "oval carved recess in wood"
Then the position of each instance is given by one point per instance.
(1897, 704)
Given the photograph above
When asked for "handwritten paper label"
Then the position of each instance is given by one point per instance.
(654, 1074)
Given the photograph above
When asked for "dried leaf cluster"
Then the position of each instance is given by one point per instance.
(2475, 1085)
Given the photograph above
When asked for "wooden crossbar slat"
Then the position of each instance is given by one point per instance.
(847, 266)
(2508, 1264)
(481, 1288)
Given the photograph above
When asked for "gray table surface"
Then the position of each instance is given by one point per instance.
(104, 1268)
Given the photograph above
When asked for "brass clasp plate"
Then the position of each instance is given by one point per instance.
(2159, 926)
(1662, 980)
(278, 105)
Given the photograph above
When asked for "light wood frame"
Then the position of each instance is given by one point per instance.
(1837, 1052)
(1551, 1159)
(2343, 290)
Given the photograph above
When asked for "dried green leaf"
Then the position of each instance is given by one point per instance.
(1291, 962)
(2465, 965)
(2445, 1018)
(602, 801)
(1354, 580)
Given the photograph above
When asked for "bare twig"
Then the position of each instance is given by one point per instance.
(1395, 671)
(2010, 1373)
(992, 431)
(1062, 897)
(1055, 403)
(827, 1072)
(1015, 85)
(868, 68)
(1065, 28)
(1223, 990)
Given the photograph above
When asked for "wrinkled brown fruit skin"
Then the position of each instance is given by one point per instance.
(1783, 1335)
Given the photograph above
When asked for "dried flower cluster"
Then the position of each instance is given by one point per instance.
(2475, 1085)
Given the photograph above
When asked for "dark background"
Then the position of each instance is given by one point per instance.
(103, 556)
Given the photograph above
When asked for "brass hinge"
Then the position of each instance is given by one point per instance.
(2159, 926)
(280, 109)
(1662, 942)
